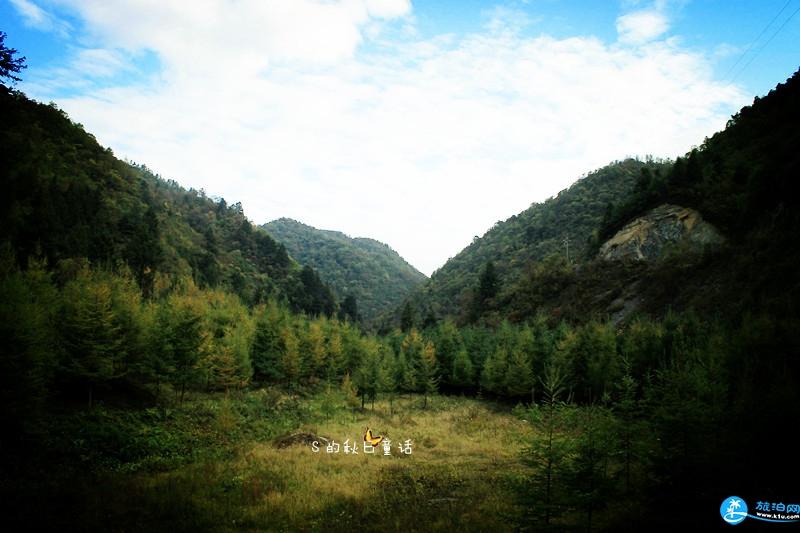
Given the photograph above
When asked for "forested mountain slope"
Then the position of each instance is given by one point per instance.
(539, 231)
(66, 197)
(742, 180)
(368, 270)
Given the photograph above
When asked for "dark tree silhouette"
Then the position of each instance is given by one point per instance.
(349, 309)
(9, 65)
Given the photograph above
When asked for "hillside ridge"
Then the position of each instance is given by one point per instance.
(370, 271)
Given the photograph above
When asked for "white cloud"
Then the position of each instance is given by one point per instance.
(99, 63)
(643, 26)
(218, 36)
(388, 8)
(36, 17)
(420, 143)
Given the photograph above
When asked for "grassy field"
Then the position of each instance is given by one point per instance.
(213, 464)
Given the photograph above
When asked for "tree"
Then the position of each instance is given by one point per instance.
(10, 65)
(463, 371)
(404, 373)
(350, 393)
(315, 297)
(589, 479)
(352, 348)
(493, 375)
(629, 424)
(519, 378)
(412, 347)
(291, 362)
(448, 344)
(549, 452)
(314, 349)
(227, 362)
(387, 382)
(348, 310)
(186, 339)
(90, 334)
(590, 352)
(483, 298)
(28, 303)
(368, 376)
(488, 284)
(220, 368)
(427, 378)
(268, 345)
(335, 355)
(407, 318)
(143, 251)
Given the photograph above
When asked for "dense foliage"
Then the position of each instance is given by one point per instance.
(541, 230)
(656, 395)
(368, 271)
(123, 297)
(67, 197)
(741, 179)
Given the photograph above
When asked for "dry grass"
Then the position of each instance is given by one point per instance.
(461, 475)
(454, 442)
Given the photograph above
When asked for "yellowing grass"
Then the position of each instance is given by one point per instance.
(458, 443)
(460, 476)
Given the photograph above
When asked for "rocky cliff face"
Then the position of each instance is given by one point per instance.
(645, 238)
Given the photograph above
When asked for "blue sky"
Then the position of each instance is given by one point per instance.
(416, 123)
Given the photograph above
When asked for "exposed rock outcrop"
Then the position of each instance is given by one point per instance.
(645, 238)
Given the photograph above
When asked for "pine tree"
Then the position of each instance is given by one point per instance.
(10, 65)
(589, 479)
(28, 307)
(350, 393)
(519, 376)
(493, 375)
(335, 355)
(549, 452)
(404, 374)
(387, 378)
(368, 377)
(352, 348)
(463, 371)
(349, 309)
(427, 377)
(488, 287)
(221, 368)
(227, 361)
(448, 343)
(187, 341)
(291, 363)
(407, 318)
(240, 340)
(411, 349)
(629, 425)
(268, 344)
(314, 349)
(90, 334)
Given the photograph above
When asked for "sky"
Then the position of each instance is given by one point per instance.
(417, 123)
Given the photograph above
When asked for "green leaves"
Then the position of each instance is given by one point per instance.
(368, 278)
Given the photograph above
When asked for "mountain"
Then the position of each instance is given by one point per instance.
(370, 271)
(536, 233)
(742, 182)
(67, 199)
